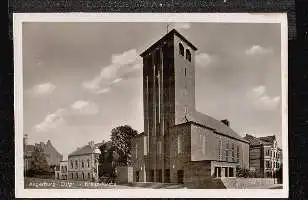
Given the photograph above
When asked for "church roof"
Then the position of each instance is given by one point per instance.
(214, 124)
(165, 37)
(87, 149)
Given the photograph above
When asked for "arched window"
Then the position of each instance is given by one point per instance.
(188, 55)
(181, 49)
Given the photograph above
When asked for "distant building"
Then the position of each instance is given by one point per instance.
(83, 163)
(61, 171)
(265, 157)
(180, 144)
(51, 154)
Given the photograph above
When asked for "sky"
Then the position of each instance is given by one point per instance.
(82, 79)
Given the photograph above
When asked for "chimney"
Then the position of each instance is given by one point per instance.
(226, 122)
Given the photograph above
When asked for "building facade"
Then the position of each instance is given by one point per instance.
(51, 154)
(265, 155)
(61, 170)
(83, 163)
(180, 144)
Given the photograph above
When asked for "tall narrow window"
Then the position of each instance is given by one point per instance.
(181, 49)
(88, 161)
(188, 55)
(158, 81)
(136, 150)
(72, 164)
(237, 153)
(233, 153)
(219, 150)
(185, 71)
(185, 109)
(203, 140)
(76, 164)
(145, 145)
(179, 144)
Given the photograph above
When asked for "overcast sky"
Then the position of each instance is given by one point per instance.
(83, 79)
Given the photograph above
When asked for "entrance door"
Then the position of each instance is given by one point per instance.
(167, 175)
(137, 176)
(181, 176)
(159, 176)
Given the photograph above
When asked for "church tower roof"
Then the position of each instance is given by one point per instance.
(166, 37)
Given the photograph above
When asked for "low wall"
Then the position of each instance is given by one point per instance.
(124, 175)
(244, 183)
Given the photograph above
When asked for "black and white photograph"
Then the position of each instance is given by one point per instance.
(138, 102)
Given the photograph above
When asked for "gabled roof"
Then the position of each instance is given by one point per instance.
(87, 149)
(165, 37)
(253, 141)
(268, 140)
(214, 124)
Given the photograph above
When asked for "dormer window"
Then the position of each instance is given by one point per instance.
(181, 49)
(188, 55)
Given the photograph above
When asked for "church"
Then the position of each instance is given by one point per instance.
(179, 144)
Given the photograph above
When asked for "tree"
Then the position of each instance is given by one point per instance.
(279, 174)
(39, 163)
(121, 138)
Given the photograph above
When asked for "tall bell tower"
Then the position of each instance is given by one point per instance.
(168, 96)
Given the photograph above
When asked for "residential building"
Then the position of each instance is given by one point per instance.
(53, 157)
(265, 155)
(180, 144)
(83, 163)
(61, 171)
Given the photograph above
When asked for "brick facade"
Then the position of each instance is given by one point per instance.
(170, 149)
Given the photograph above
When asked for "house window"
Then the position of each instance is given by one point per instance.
(181, 49)
(76, 164)
(72, 164)
(77, 175)
(267, 152)
(88, 161)
(185, 71)
(267, 164)
(82, 164)
(179, 144)
(188, 55)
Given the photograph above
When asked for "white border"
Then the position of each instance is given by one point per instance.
(19, 18)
